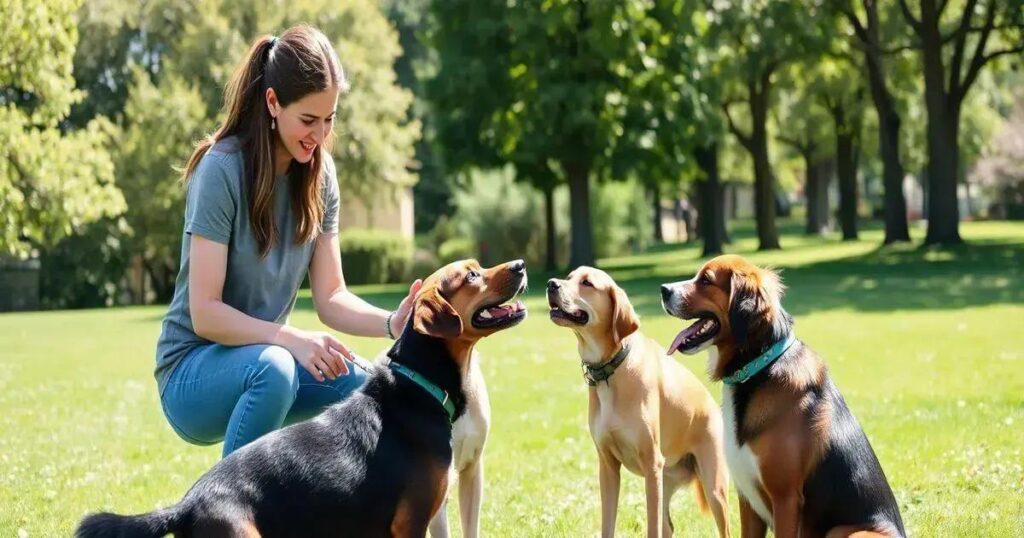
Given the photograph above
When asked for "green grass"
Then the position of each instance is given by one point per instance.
(926, 345)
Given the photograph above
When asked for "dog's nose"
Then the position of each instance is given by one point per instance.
(553, 285)
(517, 266)
(666, 292)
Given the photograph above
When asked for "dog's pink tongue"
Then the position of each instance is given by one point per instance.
(677, 342)
(499, 311)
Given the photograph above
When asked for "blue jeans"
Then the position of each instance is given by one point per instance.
(237, 394)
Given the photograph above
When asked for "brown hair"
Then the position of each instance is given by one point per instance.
(300, 62)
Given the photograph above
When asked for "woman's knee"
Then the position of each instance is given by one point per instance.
(276, 366)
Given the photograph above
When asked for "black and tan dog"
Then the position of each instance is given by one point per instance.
(800, 461)
(376, 464)
(647, 412)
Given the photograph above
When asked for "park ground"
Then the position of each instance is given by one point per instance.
(926, 345)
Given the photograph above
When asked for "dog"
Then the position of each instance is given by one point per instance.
(800, 461)
(376, 464)
(647, 412)
(469, 435)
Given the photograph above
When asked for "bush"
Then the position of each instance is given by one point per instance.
(621, 217)
(375, 256)
(498, 219)
(454, 249)
(424, 263)
(88, 269)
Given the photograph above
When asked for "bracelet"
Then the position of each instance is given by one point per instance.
(387, 324)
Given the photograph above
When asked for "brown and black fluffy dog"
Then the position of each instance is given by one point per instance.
(799, 459)
(648, 413)
(373, 465)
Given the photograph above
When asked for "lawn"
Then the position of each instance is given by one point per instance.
(926, 345)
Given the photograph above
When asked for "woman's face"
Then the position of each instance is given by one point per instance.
(304, 124)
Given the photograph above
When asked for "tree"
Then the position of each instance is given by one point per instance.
(803, 126)
(156, 119)
(955, 47)
(533, 83)
(868, 34)
(760, 37)
(836, 83)
(846, 117)
(432, 194)
(52, 182)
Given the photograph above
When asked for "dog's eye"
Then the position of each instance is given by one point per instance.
(586, 283)
(704, 280)
(472, 276)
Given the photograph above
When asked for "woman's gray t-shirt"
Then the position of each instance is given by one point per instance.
(264, 288)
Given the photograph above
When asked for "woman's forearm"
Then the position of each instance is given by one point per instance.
(346, 312)
(216, 321)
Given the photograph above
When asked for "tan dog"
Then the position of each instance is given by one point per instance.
(800, 461)
(647, 412)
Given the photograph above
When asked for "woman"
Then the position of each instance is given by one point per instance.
(262, 210)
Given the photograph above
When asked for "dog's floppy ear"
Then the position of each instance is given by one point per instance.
(754, 302)
(435, 316)
(743, 307)
(624, 319)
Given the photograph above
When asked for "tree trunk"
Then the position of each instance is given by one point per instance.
(162, 276)
(847, 187)
(693, 223)
(764, 179)
(654, 191)
(812, 194)
(712, 200)
(943, 123)
(550, 263)
(581, 251)
(894, 203)
(943, 160)
(826, 171)
(846, 169)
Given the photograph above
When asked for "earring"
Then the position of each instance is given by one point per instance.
(273, 123)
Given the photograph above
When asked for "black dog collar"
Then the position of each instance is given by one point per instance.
(595, 374)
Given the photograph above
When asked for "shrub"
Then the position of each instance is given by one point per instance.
(458, 248)
(424, 263)
(375, 256)
(498, 219)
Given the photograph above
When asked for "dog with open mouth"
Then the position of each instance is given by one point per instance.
(801, 463)
(647, 412)
(468, 281)
(377, 463)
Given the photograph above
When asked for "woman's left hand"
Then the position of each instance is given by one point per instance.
(401, 316)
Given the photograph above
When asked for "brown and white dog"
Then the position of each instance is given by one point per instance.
(647, 412)
(469, 432)
(800, 461)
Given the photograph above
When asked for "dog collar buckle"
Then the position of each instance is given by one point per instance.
(593, 375)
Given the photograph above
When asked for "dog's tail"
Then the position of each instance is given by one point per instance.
(702, 500)
(153, 524)
(698, 486)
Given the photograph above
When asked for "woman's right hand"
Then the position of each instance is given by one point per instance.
(318, 352)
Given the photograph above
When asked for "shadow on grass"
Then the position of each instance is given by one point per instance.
(903, 277)
(889, 278)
